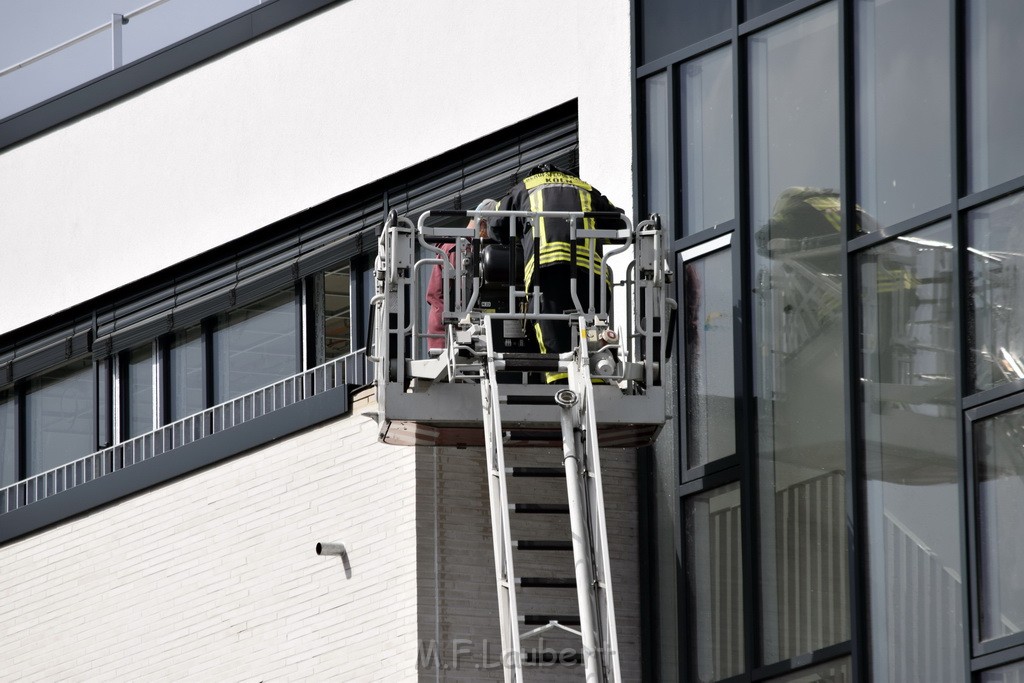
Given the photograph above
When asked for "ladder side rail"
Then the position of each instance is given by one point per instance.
(597, 521)
(501, 531)
(572, 448)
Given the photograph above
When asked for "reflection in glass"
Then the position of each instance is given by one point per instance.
(714, 570)
(140, 386)
(995, 89)
(798, 335)
(337, 313)
(670, 25)
(836, 671)
(658, 152)
(187, 373)
(59, 416)
(255, 346)
(999, 453)
(996, 318)
(707, 335)
(706, 105)
(907, 309)
(8, 438)
(1009, 673)
(903, 133)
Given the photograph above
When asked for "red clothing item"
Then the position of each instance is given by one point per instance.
(435, 299)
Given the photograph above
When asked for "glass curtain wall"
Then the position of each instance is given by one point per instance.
(876, 275)
(995, 99)
(797, 329)
(908, 370)
(705, 105)
(903, 112)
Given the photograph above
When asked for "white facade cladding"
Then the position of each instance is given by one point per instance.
(329, 103)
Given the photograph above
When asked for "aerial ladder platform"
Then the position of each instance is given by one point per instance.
(485, 387)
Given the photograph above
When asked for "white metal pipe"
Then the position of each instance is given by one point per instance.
(580, 542)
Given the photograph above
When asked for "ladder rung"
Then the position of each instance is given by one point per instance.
(545, 582)
(535, 435)
(540, 508)
(528, 361)
(552, 657)
(535, 471)
(542, 545)
(541, 619)
(529, 400)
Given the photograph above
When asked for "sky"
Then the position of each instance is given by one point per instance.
(28, 27)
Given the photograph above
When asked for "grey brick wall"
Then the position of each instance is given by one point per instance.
(214, 576)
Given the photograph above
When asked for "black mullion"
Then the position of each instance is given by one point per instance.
(689, 241)
(1000, 658)
(685, 54)
(958, 181)
(743, 350)
(778, 15)
(990, 194)
(683, 431)
(857, 603)
(207, 329)
(675, 152)
(884, 234)
(164, 381)
(121, 397)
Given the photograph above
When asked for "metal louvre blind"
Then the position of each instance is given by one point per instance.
(313, 240)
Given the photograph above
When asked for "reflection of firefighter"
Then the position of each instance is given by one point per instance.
(807, 219)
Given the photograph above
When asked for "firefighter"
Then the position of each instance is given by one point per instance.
(547, 188)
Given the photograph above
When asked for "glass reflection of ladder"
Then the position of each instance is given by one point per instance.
(596, 621)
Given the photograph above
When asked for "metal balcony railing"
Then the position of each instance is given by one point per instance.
(115, 26)
(349, 370)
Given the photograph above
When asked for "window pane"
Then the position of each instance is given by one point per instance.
(995, 91)
(798, 360)
(255, 346)
(707, 333)
(658, 152)
(140, 390)
(670, 25)
(188, 373)
(907, 308)
(903, 62)
(337, 313)
(836, 671)
(996, 260)
(998, 449)
(1009, 673)
(706, 106)
(8, 438)
(59, 416)
(714, 571)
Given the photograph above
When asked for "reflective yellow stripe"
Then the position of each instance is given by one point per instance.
(586, 202)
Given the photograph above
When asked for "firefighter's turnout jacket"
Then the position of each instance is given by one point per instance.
(550, 189)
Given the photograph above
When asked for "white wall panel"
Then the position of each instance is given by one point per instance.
(331, 103)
